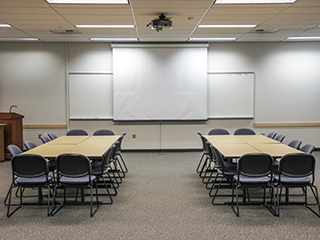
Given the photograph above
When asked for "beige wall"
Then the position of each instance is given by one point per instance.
(34, 76)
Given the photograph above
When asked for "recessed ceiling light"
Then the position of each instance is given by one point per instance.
(304, 38)
(212, 39)
(114, 39)
(227, 26)
(5, 25)
(104, 26)
(253, 1)
(19, 39)
(88, 1)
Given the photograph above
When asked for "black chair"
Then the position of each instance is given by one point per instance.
(14, 150)
(272, 135)
(101, 170)
(225, 170)
(307, 148)
(218, 131)
(295, 143)
(280, 137)
(74, 171)
(297, 170)
(29, 144)
(205, 151)
(29, 171)
(244, 131)
(44, 139)
(103, 132)
(77, 132)
(52, 136)
(254, 170)
(209, 161)
(117, 154)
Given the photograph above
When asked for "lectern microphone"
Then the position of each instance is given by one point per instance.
(12, 106)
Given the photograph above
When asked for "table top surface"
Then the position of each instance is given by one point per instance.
(234, 146)
(91, 146)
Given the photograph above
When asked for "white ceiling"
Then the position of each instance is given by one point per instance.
(34, 18)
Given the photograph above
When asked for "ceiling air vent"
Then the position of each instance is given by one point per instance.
(267, 30)
(64, 31)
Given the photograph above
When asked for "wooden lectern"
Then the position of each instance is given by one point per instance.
(13, 130)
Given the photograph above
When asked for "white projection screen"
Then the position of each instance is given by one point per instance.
(164, 82)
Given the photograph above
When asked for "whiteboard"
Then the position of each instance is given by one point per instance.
(160, 83)
(231, 95)
(90, 96)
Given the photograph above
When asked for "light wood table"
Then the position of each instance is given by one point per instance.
(234, 146)
(275, 150)
(90, 146)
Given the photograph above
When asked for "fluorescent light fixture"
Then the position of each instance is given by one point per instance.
(88, 1)
(212, 39)
(227, 26)
(19, 39)
(253, 1)
(4, 25)
(304, 38)
(114, 39)
(104, 26)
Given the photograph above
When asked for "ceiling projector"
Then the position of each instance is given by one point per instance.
(160, 23)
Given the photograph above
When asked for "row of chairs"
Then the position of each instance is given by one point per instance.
(294, 170)
(71, 170)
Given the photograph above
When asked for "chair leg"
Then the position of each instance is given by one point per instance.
(9, 203)
(199, 164)
(123, 164)
(316, 196)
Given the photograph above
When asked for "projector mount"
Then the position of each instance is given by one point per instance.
(160, 23)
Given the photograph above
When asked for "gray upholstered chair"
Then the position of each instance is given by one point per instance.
(254, 170)
(244, 131)
(74, 171)
(218, 131)
(103, 132)
(29, 171)
(77, 132)
(297, 170)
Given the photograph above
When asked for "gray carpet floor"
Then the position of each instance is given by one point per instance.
(162, 197)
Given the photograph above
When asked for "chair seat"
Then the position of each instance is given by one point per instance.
(34, 180)
(291, 180)
(74, 181)
(253, 180)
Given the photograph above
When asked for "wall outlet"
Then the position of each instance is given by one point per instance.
(134, 135)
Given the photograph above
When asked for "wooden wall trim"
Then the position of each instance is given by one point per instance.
(297, 124)
(45, 126)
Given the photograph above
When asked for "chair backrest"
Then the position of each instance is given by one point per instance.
(52, 136)
(29, 165)
(107, 157)
(219, 161)
(244, 131)
(279, 137)
(307, 148)
(255, 165)
(103, 132)
(29, 144)
(202, 140)
(218, 131)
(120, 140)
(45, 138)
(73, 165)
(272, 135)
(14, 150)
(295, 143)
(297, 165)
(77, 132)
